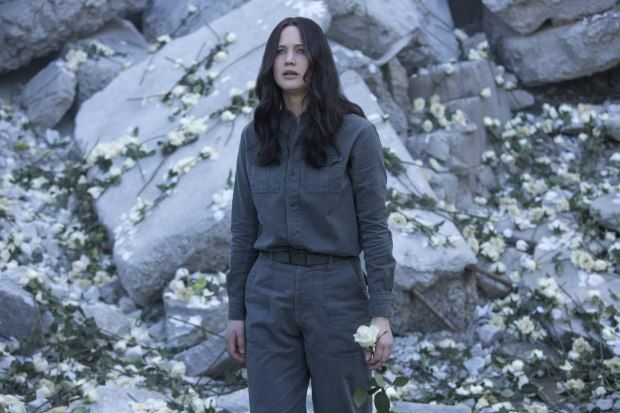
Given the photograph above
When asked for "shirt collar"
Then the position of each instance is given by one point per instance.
(288, 118)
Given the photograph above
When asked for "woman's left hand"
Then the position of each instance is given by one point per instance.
(384, 344)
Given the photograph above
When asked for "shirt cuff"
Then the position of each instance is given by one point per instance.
(382, 306)
(236, 308)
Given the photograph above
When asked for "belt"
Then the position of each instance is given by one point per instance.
(301, 257)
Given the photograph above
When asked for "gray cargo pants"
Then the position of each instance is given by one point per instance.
(299, 326)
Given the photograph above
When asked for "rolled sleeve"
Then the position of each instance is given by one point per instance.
(369, 182)
(244, 229)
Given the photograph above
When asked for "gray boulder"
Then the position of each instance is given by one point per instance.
(116, 399)
(527, 16)
(108, 318)
(178, 18)
(607, 208)
(419, 30)
(49, 25)
(410, 407)
(127, 45)
(188, 325)
(18, 314)
(576, 49)
(209, 358)
(49, 95)
(612, 124)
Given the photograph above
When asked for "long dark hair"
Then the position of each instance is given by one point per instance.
(326, 103)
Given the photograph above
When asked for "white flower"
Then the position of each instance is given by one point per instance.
(438, 240)
(435, 165)
(164, 38)
(177, 369)
(191, 9)
(250, 84)
(521, 245)
(193, 125)
(447, 343)
(575, 385)
(528, 263)
(40, 363)
(176, 138)
(227, 116)
(95, 191)
(498, 267)
(366, 336)
(613, 364)
(208, 152)
(615, 157)
(190, 99)
(183, 165)
(75, 58)
(234, 91)
(427, 125)
(246, 109)
(488, 156)
(480, 200)
(460, 34)
(397, 220)
(537, 408)
(525, 325)
(582, 259)
(220, 56)
(179, 90)
(231, 37)
(150, 406)
(222, 198)
(458, 117)
(438, 110)
(473, 55)
(448, 68)
(419, 104)
(486, 92)
(581, 346)
(493, 248)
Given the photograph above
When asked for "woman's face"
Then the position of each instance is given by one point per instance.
(290, 57)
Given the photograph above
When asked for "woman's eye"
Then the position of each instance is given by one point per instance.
(302, 50)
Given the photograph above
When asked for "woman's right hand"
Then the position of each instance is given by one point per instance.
(235, 339)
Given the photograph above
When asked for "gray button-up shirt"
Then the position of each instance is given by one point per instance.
(339, 209)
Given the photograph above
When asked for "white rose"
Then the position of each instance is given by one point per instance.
(177, 369)
(231, 37)
(366, 336)
(397, 220)
(220, 56)
(419, 104)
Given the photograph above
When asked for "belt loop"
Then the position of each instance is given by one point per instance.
(330, 262)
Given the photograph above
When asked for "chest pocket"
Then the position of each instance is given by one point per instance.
(264, 179)
(328, 179)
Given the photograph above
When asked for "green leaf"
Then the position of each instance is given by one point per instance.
(199, 285)
(379, 380)
(529, 388)
(360, 396)
(382, 403)
(507, 393)
(400, 381)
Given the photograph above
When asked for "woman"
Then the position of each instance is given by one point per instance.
(309, 196)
